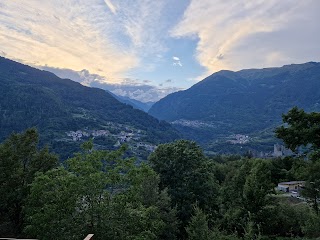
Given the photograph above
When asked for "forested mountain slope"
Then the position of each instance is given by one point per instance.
(31, 97)
(243, 102)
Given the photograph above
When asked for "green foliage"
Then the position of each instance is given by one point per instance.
(301, 129)
(187, 174)
(20, 160)
(245, 195)
(311, 224)
(99, 192)
(251, 229)
(257, 187)
(104, 193)
(285, 220)
(198, 228)
(312, 187)
(51, 204)
(288, 169)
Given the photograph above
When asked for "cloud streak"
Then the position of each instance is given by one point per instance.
(111, 6)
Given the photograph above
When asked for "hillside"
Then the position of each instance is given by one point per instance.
(248, 103)
(66, 112)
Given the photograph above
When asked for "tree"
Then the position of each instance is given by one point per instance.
(251, 230)
(312, 187)
(245, 195)
(303, 129)
(198, 228)
(20, 160)
(257, 187)
(300, 128)
(188, 176)
(98, 192)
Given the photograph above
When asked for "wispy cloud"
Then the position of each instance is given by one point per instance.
(116, 39)
(242, 34)
(106, 37)
(64, 34)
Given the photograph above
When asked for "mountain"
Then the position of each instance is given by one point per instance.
(229, 106)
(66, 112)
(144, 106)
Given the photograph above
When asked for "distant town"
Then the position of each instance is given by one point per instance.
(119, 133)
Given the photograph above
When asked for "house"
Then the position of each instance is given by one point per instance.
(291, 186)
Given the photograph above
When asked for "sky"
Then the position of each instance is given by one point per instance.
(146, 49)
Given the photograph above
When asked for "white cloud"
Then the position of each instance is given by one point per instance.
(176, 61)
(141, 90)
(245, 34)
(143, 93)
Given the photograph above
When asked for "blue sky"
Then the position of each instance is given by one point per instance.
(146, 49)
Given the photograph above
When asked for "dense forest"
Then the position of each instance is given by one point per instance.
(178, 193)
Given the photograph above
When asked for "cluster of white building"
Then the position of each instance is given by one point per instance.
(239, 139)
(122, 137)
(77, 135)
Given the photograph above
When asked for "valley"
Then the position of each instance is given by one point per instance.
(248, 102)
(159, 120)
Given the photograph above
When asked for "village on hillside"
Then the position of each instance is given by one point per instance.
(119, 133)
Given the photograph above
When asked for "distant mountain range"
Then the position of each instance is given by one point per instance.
(144, 106)
(247, 104)
(66, 112)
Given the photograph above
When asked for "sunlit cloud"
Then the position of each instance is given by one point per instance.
(107, 37)
(245, 34)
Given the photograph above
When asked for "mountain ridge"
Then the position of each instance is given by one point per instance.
(246, 101)
(31, 97)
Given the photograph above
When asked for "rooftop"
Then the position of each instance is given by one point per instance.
(291, 183)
